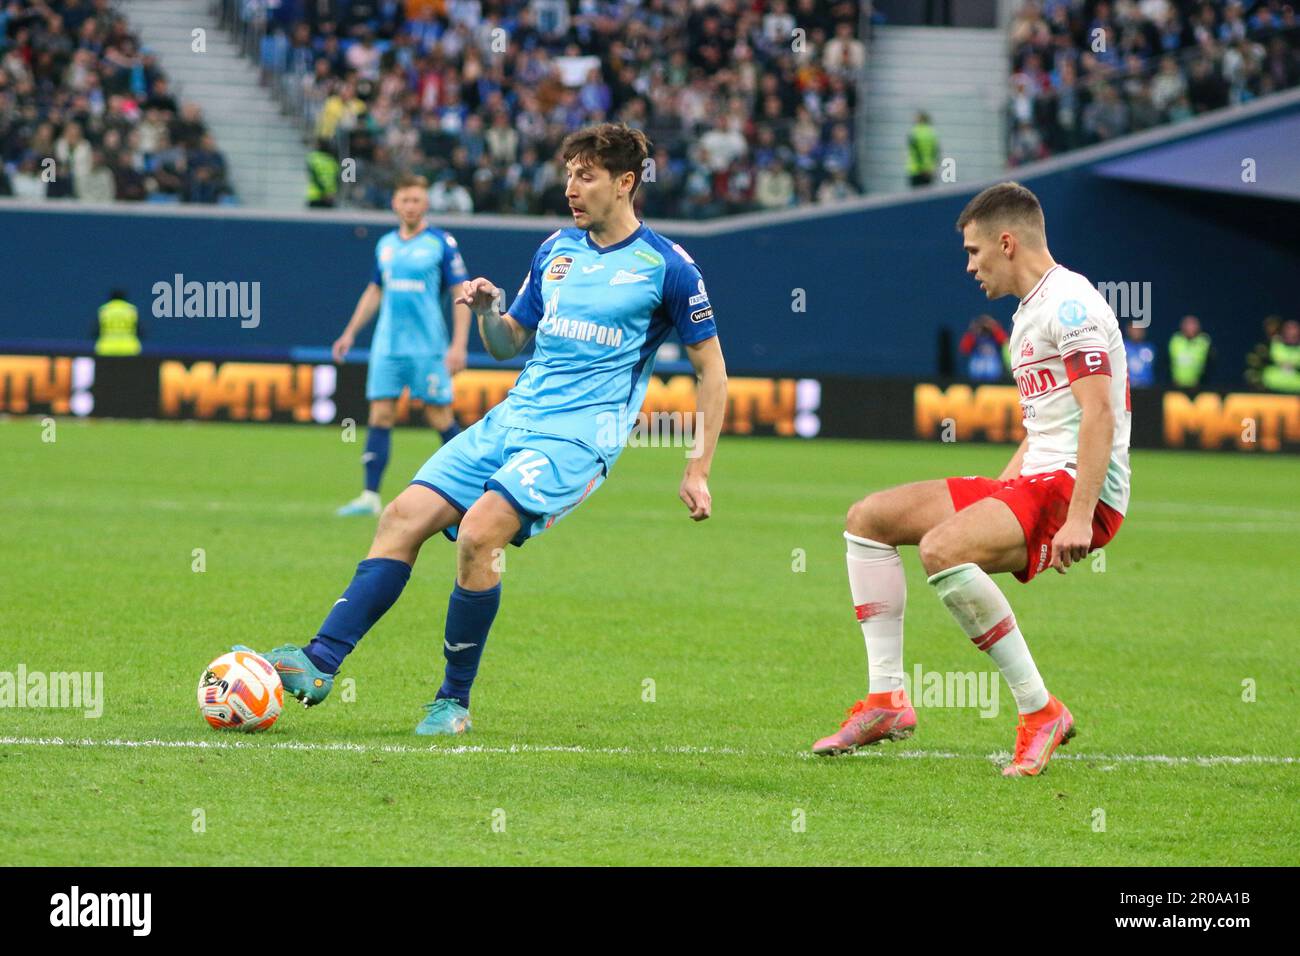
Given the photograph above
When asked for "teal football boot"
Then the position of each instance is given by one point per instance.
(301, 678)
(444, 716)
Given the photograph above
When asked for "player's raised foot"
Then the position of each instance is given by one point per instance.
(1038, 736)
(366, 503)
(301, 678)
(884, 716)
(444, 716)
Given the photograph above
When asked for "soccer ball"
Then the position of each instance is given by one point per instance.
(240, 691)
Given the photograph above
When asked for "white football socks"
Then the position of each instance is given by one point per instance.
(879, 594)
(982, 610)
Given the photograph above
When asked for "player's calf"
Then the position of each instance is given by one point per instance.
(485, 531)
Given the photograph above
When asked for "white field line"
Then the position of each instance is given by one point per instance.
(459, 749)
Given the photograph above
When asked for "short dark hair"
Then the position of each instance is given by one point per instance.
(615, 147)
(1006, 204)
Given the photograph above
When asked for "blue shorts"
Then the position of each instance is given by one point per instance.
(425, 375)
(543, 476)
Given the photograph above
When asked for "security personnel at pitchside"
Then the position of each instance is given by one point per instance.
(118, 332)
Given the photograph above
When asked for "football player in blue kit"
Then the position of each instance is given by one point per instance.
(598, 300)
(417, 266)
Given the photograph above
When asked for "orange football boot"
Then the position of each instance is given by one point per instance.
(1038, 736)
(887, 715)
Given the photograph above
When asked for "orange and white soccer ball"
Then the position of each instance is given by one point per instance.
(240, 691)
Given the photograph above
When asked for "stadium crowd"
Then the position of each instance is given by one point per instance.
(750, 105)
(86, 113)
(1086, 71)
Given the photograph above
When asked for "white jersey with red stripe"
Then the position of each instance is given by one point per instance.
(1064, 329)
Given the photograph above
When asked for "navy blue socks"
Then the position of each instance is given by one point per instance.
(450, 432)
(375, 459)
(376, 585)
(469, 618)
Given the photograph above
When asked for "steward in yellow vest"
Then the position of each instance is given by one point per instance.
(118, 326)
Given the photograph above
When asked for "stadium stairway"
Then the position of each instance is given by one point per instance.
(957, 75)
(263, 149)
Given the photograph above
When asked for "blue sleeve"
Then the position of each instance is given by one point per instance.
(378, 277)
(685, 299)
(453, 266)
(527, 308)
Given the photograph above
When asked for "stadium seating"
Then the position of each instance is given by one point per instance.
(1086, 71)
(749, 105)
(86, 113)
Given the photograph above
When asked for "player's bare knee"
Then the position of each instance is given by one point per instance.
(866, 520)
(939, 551)
(479, 533)
(400, 524)
(438, 416)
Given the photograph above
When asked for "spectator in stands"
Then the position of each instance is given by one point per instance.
(922, 151)
(448, 195)
(1141, 356)
(97, 184)
(984, 347)
(28, 181)
(1189, 354)
(846, 54)
(1282, 374)
(775, 186)
(1106, 116)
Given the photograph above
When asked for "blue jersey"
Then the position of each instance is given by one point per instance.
(600, 315)
(414, 274)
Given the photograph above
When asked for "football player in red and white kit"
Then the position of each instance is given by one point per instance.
(1063, 494)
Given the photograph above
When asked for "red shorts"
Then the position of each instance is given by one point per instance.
(1040, 503)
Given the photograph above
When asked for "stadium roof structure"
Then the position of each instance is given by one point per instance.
(1259, 159)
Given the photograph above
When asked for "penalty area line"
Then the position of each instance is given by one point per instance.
(1112, 760)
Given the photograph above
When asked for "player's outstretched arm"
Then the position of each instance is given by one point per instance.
(1096, 436)
(710, 407)
(502, 336)
(366, 308)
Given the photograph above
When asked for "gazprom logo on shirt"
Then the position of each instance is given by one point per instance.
(581, 330)
(405, 285)
(578, 329)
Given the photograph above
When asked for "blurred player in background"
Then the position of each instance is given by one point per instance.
(598, 299)
(1063, 494)
(416, 268)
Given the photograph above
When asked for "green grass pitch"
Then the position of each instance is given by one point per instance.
(751, 660)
